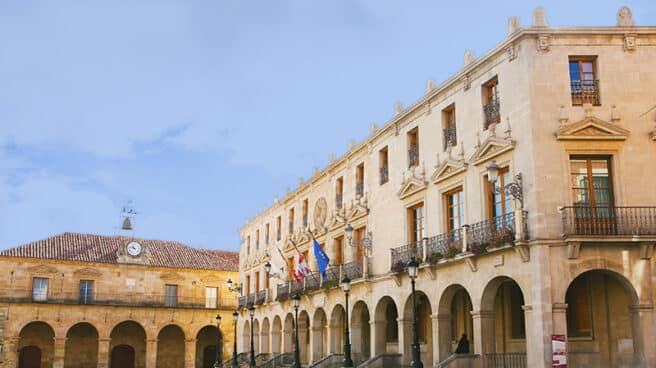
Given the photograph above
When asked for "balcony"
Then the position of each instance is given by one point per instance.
(449, 135)
(585, 91)
(260, 297)
(444, 245)
(496, 231)
(117, 299)
(413, 156)
(282, 292)
(584, 221)
(492, 112)
(312, 282)
(401, 256)
(243, 301)
(359, 188)
(338, 200)
(384, 174)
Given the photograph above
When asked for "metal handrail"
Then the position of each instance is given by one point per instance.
(402, 255)
(585, 220)
(585, 91)
(450, 136)
(492, 111)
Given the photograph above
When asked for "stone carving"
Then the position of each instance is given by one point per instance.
(539, 18)
(332, 158)
(87, 272)
(466, 82)
(351, 145)
(398, 108)
(511, 51)
(374, 128)
(614, 114)
(42, 269)
(543, 42)
(629, 42)
(469, 57)
(320, 213)
(562, 115)
(624, 17)
(592, 128)
(491, 148)
(513, 25)
(430, 85)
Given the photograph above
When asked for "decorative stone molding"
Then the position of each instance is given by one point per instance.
(646, 250)
(430, 86)
(592, 128)
(448, 169)
(543, 42)
(87, 272)
(573, 250)
(629, 43)
(413, 183)
(468, 57)
(512, 51)
(42, 269)
(471, 262)
(171, 276)
(491, 148)
(357, 211)
(539, 17)
(625, 17)
(398, 108)
(432, 274)
(563, 117)
(521, 248)
(513, 25)
(320, 213)
(559, 307)
(466, 82)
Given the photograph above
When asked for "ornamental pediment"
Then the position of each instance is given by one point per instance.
(42, 269)
(491, 148)
(171, 276)
(411, 186)
(336, 220)
(592, 128)
(211, 279)
(357, 211)
(87, 272)
(448, 169)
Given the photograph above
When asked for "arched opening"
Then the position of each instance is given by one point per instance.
(170, 347)
(276, 335)
(130, 339)
(503, 324)
(256, 337)
(424, 328)
(360, 333)
(245, 338)
(38, 340)
(337, 317)
(319, 334)
(304, 336)
(386, 326)
(206, 341)
(81, 349)
(455, 319)
(600, 322)
(288, 334)
(264, 336)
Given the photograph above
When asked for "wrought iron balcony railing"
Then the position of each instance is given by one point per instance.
(312, 282)
(305, 220)
(493, 232)
(450, 137)
(260, 297)
(402, 255)
(242, 301)
(384, 174)
(585, 91)
(359, 188)
(282, 292)
(354, 269)
(338, 200)
(413, 156)
(492, 111)
(608, 221)
(442, 245)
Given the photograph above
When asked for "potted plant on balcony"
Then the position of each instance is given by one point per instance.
(399, 266)
(451, 251)
(433, 258)
(329, 284)
(478, 248)
(503, 236)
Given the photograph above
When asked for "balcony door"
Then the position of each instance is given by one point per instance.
(592, 194)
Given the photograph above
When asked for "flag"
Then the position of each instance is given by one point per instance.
(322, 259)
(302, 269)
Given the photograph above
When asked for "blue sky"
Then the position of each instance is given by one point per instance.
(202, 111)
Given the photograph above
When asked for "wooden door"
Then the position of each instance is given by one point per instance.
(122, 357)
(30, 357)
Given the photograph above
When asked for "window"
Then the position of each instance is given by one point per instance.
(248, 284)
(171, 296)
(339, 191)
(416, 223)
(291, 220)
(499, 204)
(291, 266)
(455, 209)
(579, 308)
(449, 137)
(591, 186)
(86, 291)
(517, 323)
(413, 147)
(392, 326)
(583, 80)
(491, 102)
(305, 213)
(248, 244)
(383, 162)
(359, 180)
(359, 236)
(266, 234)
(257, 281)
(267, 276)
(279, 228)
(39, 289)
(257, 239)
(339, 250)
(211, 297)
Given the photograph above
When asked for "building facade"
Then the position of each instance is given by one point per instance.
(81, 301)
(558, 247)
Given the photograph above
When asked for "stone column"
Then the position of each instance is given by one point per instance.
(10, 352)
(441, 337)
(60, 348)
(378, 337)
(644, 333)
(315, 341)
(190, 353)
(151, 353)
(484, 329)
(103, 352)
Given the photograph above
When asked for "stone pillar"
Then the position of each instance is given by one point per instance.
(484, 330)
(10, 352)
(644, 333)
(60, 348)
(378, 337)
(103, 352)
(151, 353)
(442, 343)
(190, 353)
(315, 342)
(435, 334)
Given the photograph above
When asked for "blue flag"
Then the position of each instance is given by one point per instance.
(322, 259)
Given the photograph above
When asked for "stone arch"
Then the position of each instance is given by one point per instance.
(319, 334)
(37, 342)
(503, 323)
(601, 312)
(360, 332)
(128, 334)
(612, 269)
(264, 335)
(170, 347)
(386, 326)
(206, 341)
(304, 336)
(337, 317)
(276, 335)
(424, 327)
(288, 333)
(256, 337)
(245, 337)
(81, 348)
(454, 318)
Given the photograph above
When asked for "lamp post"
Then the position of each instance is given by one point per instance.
(366, 242)
(251, 311)
(235, 316)
(267, 269)
(513, 190)
(217, 361)
(346, 286)
(297, 355)
(416, 354)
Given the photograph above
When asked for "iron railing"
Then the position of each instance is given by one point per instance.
(444, 245)
(384, 174)
(278, 360)
(492, 232)
(413, 155)
(505, 360)
(492, 111)
(585, 91)
(282, 292)
(354, 269)
(312, 282)
(359, 187)
(278, 234)
(402, 255)
(291, 226)
(450, 137)
(242, 301)
(305, 219)
(260, 297)
(608, 220)
(338, 200)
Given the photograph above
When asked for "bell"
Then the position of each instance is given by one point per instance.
(127, 224)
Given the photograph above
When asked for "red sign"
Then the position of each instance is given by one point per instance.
(559, 351)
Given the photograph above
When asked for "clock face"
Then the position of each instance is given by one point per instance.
(134, 248)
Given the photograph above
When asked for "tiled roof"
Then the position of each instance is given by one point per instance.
(103, 248)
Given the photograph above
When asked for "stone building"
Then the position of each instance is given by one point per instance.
(79, 301)
(559, 246)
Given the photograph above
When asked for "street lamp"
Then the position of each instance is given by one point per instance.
(217, 362)
(297, 355)
(365, 242)
(235, 316)
(416, 355)
(513, 190)
(251, 311)
(346, 286)
(267, 269)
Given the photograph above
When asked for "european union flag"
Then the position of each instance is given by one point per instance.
(322, 259)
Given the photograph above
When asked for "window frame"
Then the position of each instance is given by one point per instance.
(208, 299)
(43, 296)
(449, 122)
(580, 59)
(412, 222)
(87, 298)
(413, 142)
(383, 165)
(447, 206)
(169, 299)
(490, 92)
